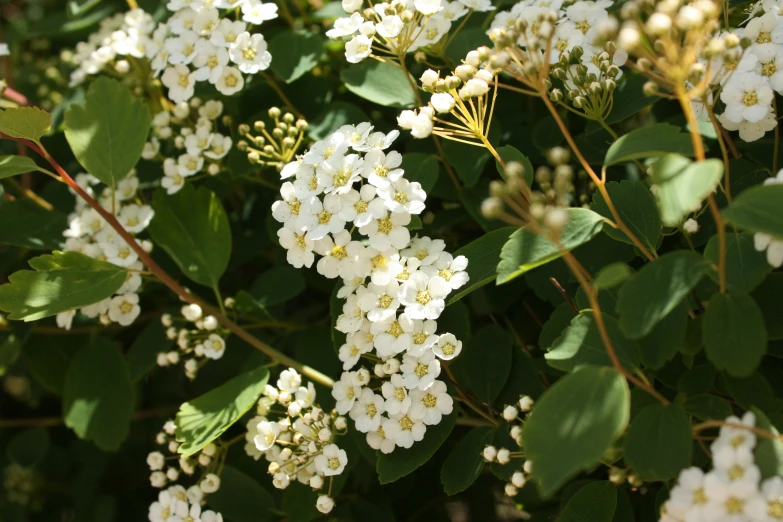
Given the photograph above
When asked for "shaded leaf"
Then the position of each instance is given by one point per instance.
(13, 165)
(26, 225)
(483, 256)
(758, 209)
(636, 206)
(240, 498)
(658, 444)
(746, 267)
(735, 338)
(595, 501)
(295, 53)
(465, 462)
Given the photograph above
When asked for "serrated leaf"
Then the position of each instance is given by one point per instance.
(595, 501)
(573, 423)
(483, 256)
(656, 289)
(681, 185)
(379, 83)
(13, 165)
(205, 418)
(193, 228)
(636, 206)
(294, 53)
(29, 123)
(735, 338)
(746, 267)
(108, 133)
(59, 282)
(758, 209)
(658, 444)
(581, 344)
(526, 250)
(649, 142)
(402, 462)
(98, 395)
(26, 225)
(465, 462)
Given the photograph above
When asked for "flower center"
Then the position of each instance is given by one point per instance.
(429, 400)
(249, 53)
(334, 463)
(399, 394)
(561, 45)
(324, 216)
(421, 254)
(212, 62)
(775, 509)
(294, 206)
(165, 513)
(421, 369)
(768, 69)
(734, 505)
(750, 98)
(300, 241)
(583, 26)
(231, 37)
(360, 206)
(419, 338)
(378, 261)
(406, 423)
(395, 329)
(404, 275)
(313, 183)
(354, 350)
(448, 349)
(699, 497)
(183, 80)
(341, 177)
(423, 297)
(381, 170)
(763, 37)
(328, 151)
(446, 274)
(349, 393)
(736, 472)
(372, 411)
(401, 197)
(385, 226)
(126, 307)
(385, 301)
(339, 252)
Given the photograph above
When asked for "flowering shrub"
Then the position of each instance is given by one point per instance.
(409, 260)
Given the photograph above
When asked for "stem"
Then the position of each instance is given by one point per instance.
(719, 424)
(14, 96)
(724, 151)
(599, 183)
(464, 398)
(175, 287)
(273, 84)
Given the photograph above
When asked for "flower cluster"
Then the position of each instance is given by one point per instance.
(21, 484)
(397, 28)
(177, 505)
(732, 489)
(300, 444)
(504, 456)
(205, 339)
(350, 180)
(119, 40)
(277, 147)
(163, 475)
(89, 234)
(186, 140)
(197, 44)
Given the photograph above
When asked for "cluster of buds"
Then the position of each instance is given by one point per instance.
(275, 147)
(206, 463)
(512, 415)
(198, 338)
(20, 484)
(298, 442)
(464, 94)
(186, 141)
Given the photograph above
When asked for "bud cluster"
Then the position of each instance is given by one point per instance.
(275, 147)
(198, 338)
(503, 456)
(20, 485)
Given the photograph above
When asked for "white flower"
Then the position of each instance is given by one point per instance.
(210, 60)
(380, 301)
(771, 510)
(65, 319)
(691, 226)
(210, 483)
(182, 49)
(230, 81)
(135, 218)
(382, 169)
(345, 26)
(423, 296)
(450, 269)
(748, 97)
(750, 131)
(281, 480)
(350, 6)
(341, 256)
(419, 372)
(214, 347)
(762, 30)
(397, 399)
(180, 82)
(478, 5)
(338, 173)
(324, 504)
(361, 207)
(427, 7)
(489, 453)
(421, 333)
(404, 430)
(352, 318)
(289, 380)
(773, 245)
(332, 461)
(345, 392)
(163, 509)
(4, 50)
(425, 249)
(443, 102)
(250, 54)
(299, 245)
(267, 435)
(257, 12)
(730, 500)
(155, 460)
(356, 344)
(358, 48)
(321, 217)
(510, 413)
(367, 411)
(770, 64)
(124, 309)
(390, 27)
(226, 32)
(389, 231)
(431, 404)
(403, 196)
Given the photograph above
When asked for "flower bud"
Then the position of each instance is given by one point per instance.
(490, 452)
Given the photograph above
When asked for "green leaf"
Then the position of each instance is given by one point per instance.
(526, 250)
(485, 362)
(658, 444)
(468, 161)
(193, 228)
(648, 142)
(767, 296)
(573, 423)
(666, 338)
(380, 83)
(483, 255)
(629, 98)
(746, 267)
(420, 167)
(26, 225)
(581, 344)
(29, 123)
(48, 363)
(612, 275)
(295, 53)
(60, 282)
(28, 447)
(769, 452)
(465, 462)
(142, 354)
(240, 498)
(13, 165)
(656, 289)
(636, 206)
(595, 501)
(758, 209)
(682, 185)
(277, 285)
(509, 154)
(735, 338)
(205, 418)
(402, 462)
(754, 390)
(108, 133)
(98, 395)
(705, 407)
